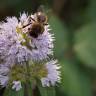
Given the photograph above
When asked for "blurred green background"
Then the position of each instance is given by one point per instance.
(74, 24)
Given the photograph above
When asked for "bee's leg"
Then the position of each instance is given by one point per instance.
(32, 19)
(26, 25)
(45, 24)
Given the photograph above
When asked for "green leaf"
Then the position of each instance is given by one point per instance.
(46, 91)
(74, 81)
(85, 45)
(60, 33)
(11, 92)
(7, 92)
(91, 10)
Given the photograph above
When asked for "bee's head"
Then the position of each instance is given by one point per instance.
(41, 17)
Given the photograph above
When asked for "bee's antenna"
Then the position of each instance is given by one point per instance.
(41, 8)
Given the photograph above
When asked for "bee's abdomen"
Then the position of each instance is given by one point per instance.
(36, 30)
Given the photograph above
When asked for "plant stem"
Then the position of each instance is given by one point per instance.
(28, 86)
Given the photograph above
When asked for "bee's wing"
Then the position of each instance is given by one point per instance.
(41, 9)
(49, 13)
(46, 11)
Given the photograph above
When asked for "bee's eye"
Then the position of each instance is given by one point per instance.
(42, 18)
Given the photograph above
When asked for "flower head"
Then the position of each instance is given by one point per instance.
(16, 85)
(53, 75)
(16, 45)
(4, 75)
(22, 41)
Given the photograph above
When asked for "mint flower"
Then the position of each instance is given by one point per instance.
(24, 56)
(12, 37)
(3, 75)
(16, 85)
(53, 75)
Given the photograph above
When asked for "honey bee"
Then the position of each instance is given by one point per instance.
(37, 24)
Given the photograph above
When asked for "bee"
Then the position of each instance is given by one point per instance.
(37, 24)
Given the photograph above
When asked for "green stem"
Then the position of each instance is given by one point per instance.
(28, 86)
(28, 90)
